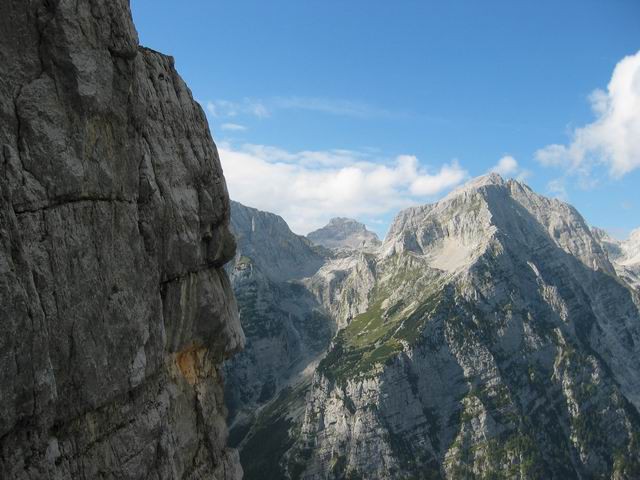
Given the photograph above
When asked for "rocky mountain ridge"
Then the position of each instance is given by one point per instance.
(488, 337)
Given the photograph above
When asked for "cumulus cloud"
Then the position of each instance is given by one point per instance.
(309, 187)
(233, 127)
(557, 189)
(508, 166)
(613, 139)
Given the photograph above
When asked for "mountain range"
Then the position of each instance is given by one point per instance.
(492, 334)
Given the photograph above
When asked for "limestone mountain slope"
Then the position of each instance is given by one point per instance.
(273, 247)
(344, 233)
(115, 312)
(286, 327)
(493, 339)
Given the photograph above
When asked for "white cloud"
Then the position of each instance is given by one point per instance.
(307, 188)
(263, 108)
(613, 139)
(557, 189)
(448, 176)
(508, 166)
(308, 158)
(229, 109)
(332, 106)
(233, 127)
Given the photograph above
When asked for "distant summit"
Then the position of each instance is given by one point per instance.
(343, 232)
(624, 255)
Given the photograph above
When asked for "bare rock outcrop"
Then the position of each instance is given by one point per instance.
(115, 311)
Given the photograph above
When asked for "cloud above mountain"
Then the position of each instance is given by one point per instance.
(232, 109)
(233, 127)
(309, 187)
(613, 138)
(265, 107)
(508, 166)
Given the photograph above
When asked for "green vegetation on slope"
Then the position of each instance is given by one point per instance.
(399, 308)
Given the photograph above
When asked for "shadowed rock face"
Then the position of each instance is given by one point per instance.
(115, 312)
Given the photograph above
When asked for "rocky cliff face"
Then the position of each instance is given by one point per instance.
(115, 312)
(344, 233)
(493, 339)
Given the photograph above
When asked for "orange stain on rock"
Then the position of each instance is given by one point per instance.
(190, 363)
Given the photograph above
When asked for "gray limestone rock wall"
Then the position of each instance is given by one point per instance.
(115, 311)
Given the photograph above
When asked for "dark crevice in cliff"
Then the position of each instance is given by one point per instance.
(62, 202)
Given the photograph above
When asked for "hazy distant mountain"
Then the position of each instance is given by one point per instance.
(625, 255)
(344, 233)
(488, 337)
(267, 240)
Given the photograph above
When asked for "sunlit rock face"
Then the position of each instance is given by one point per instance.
(488, 337)
(115, 311)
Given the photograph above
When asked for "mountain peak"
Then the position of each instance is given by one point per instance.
(266, 239)
(477, 183)
(347, 221)
(342, 232)
(487, 208)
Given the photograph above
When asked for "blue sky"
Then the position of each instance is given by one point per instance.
(359, 108)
